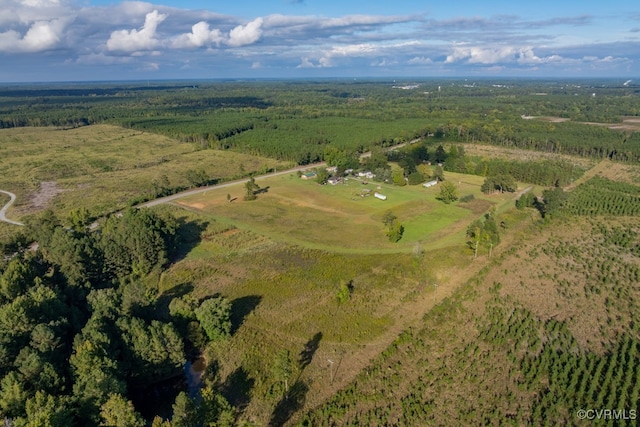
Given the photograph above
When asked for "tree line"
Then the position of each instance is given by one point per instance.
(293, 120)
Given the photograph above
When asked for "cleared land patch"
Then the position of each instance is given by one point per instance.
(103, 167)
(287, 295)
(346, 216)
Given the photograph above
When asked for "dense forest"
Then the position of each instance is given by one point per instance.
(82, 333)
(296, 120)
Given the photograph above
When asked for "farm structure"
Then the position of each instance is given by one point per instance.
(430, 183)
(366, 174)
(379, 196)
(308, 175)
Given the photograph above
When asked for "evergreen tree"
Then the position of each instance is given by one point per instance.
(214, 315)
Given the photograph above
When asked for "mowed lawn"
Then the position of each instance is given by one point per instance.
(346, 216)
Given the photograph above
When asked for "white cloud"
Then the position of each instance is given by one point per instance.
(199, 36)
(420, 60)
(40, 3)
(361, 49)
(41, 36)
(384, 63)
(347, 51)
(527, 56)
(152, 66)
(481, 55)
(26, 12)
(306, 63)
(243, 35)
(137, 40)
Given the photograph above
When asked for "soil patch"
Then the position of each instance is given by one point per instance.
(43, 197)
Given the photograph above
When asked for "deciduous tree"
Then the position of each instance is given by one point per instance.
(448, 192)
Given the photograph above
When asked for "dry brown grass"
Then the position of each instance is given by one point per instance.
(103, 167)
(492, 151)
(557, 288)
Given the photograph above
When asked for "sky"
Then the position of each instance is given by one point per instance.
(93, 40)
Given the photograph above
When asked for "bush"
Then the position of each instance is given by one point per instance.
(415, 178)
(467, 198)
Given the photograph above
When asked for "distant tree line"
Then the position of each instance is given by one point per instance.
(295, 121)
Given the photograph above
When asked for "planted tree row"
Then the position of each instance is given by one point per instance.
(601, 196)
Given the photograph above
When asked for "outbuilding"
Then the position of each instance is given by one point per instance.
(308, 175)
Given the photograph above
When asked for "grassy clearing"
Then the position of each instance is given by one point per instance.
(281, 260)
(284, 296)
(103, 167)
(347, 217)
(518, 154)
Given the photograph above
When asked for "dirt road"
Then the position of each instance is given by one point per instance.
(226, 184)
(3, 211)
(198, 190)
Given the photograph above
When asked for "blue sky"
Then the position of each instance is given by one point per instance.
(71, 40)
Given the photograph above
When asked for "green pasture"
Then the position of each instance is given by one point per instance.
(347, 217)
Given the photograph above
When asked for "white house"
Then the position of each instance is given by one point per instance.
(366, 174)
(379, 196)
(430, 183)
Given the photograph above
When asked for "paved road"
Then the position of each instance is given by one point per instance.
(3, 211)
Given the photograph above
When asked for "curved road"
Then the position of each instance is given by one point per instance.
(3, 211)
(186, 193)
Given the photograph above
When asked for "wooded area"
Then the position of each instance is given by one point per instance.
(295, 120)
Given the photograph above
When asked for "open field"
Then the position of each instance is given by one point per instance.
(282, 257)
(518, 154)
(291, 290)
(103, 167)
(550, 327)
(284, 297)
(347, 217)
(628, 124)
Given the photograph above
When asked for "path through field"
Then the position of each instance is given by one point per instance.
(3, 211)
(199, 190)
(603, 165)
